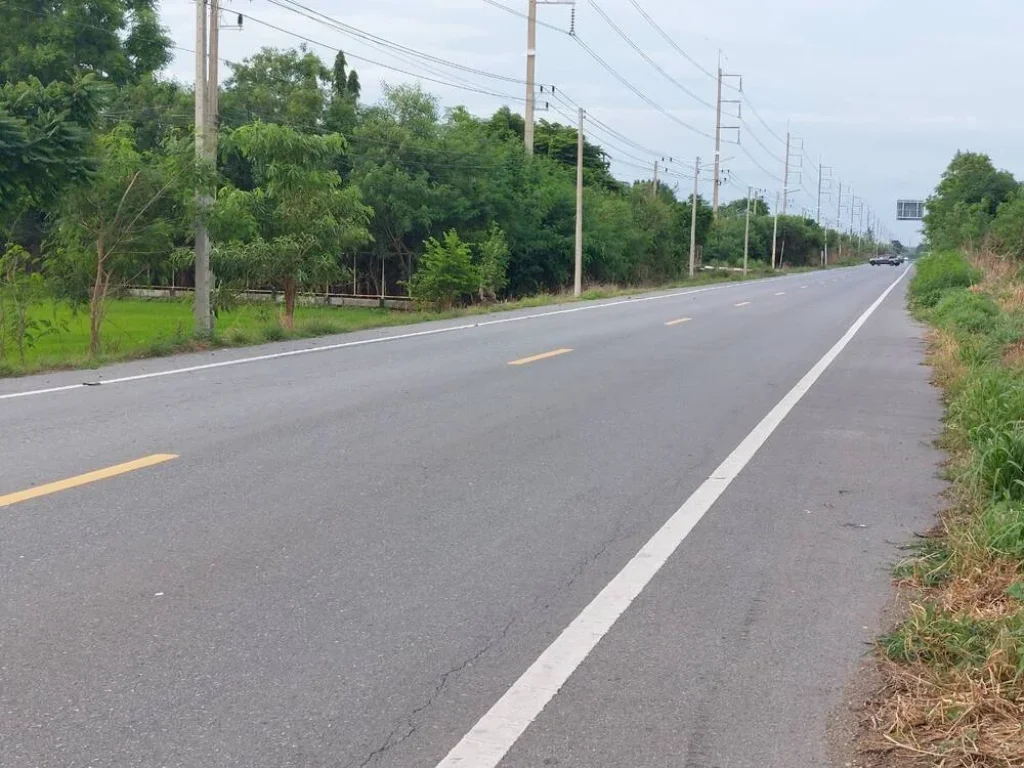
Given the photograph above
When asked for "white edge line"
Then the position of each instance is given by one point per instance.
(494, 734)
(377, 340)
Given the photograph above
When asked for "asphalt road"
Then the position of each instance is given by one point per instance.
(347, 555)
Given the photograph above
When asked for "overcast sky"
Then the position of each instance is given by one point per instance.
(884, 91)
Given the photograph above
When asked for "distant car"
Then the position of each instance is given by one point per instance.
(885, 259)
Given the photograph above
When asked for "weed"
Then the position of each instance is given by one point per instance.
(273, 332)
(937, 273)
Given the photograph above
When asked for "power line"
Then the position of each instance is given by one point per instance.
(372, 61)
(647, 58)
(522, 15)
(614, 73)
(296, 7)
(763, 170)
(670, 41)
(757, 114)
(761, 144)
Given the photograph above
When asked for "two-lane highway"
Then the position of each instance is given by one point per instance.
(385, 549)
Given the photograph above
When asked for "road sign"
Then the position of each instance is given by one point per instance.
(909, 210)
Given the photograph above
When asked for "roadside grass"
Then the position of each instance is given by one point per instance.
(140, 328)
(954, 667)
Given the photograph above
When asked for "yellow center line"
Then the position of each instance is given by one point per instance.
(541, 356)
(742, 304)
(678, 321)
(88, 477)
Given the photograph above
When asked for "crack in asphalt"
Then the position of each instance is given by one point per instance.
(396, 736)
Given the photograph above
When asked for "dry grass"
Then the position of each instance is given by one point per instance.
(953, 669)
(957, 720)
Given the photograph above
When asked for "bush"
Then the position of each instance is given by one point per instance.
(446, 272)
(961, 310)
(937, 273)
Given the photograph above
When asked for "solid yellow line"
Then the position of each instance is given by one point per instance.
(677, 322)
(542, 356)
(88, 477)
(742, 304)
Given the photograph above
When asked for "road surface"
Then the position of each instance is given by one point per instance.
(650, 532)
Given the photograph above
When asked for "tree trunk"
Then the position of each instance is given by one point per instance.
(289, 303)
(96, 301)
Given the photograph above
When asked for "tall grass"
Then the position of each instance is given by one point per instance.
(956, 672)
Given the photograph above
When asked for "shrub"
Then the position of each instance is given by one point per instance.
(446, 272)
(493, 266)
(961, 310)
(937, 273)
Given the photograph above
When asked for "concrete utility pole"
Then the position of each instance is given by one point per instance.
(213, 83)
(693, 218)
(775, 229)
(717, 182)
(654, 191)
(577, 283)
(531, 64)
(718, 141)
(821, 172)
(203, 316)
(839, 218)
(785, 176)
(746, 231)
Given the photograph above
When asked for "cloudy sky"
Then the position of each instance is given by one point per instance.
(883, 91)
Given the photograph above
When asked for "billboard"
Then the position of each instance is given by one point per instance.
(909, 210)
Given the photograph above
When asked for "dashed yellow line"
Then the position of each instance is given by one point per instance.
(541, 356)
(679, 320)
(88, 477)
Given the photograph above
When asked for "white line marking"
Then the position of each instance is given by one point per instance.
(741, 304)
(495, 733)
(781, 293)
(364, 342)
(678, 321)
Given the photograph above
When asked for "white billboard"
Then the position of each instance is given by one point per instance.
(909, 210)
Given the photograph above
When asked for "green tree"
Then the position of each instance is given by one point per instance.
(966, 200)
(292, 230)
(758, 207)
(22, 291)
(116, 40)
(44, 136)
(446, 272)
(275, 86)
(1007, 229)
(493, 263)
(111, 229)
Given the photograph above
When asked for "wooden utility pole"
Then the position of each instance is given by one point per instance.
(654, 189)
(693, 219)
(203, 316)
(577, 282)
